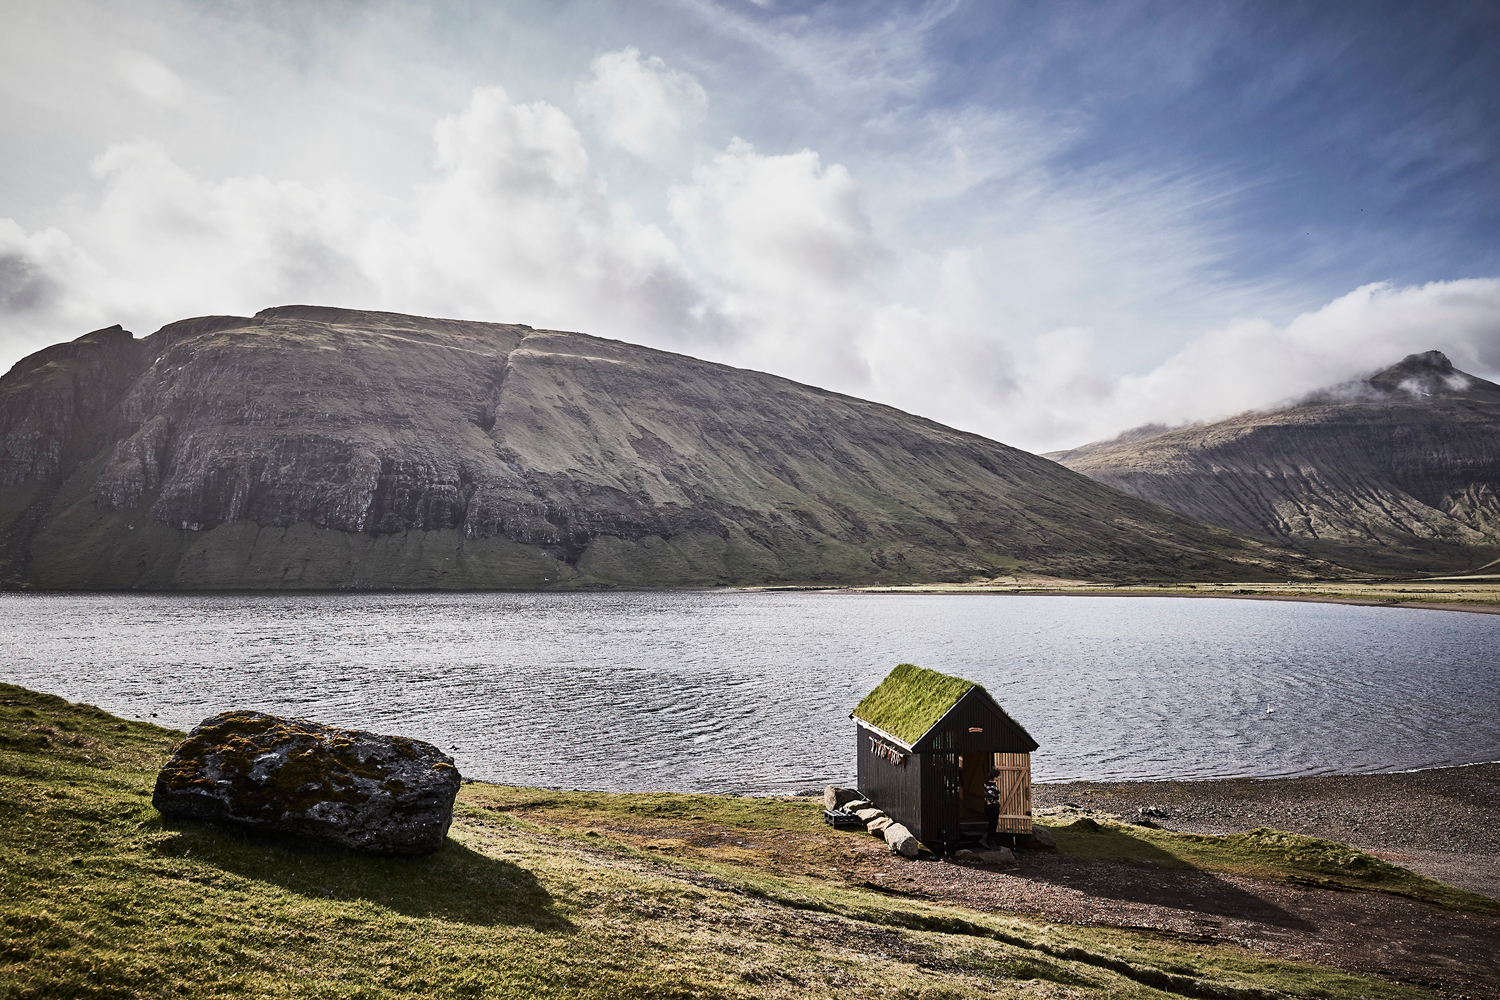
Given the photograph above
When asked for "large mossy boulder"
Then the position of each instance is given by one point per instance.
(382, 794)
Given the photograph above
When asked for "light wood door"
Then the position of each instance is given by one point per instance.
(1015, 792)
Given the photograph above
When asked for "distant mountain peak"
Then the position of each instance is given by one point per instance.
(1427, 374)
(1426, 361)
(1395, 472)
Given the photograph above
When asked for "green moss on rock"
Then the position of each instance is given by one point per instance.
(388, 794)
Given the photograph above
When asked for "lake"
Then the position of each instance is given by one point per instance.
(751, 692)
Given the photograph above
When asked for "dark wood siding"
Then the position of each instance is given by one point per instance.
(998, 733)
(940, 818)
(895, 788)
(924, 791)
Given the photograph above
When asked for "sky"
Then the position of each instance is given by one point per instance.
(1045, 223)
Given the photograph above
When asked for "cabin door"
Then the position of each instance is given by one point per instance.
(975, 770)
(1014, 785)
(950, 775)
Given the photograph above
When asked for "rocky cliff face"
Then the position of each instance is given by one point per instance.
(1398, 473)
(312, 447)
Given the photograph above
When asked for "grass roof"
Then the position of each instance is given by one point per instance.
(910, 701)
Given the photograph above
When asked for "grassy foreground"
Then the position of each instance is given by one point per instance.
(541, 893)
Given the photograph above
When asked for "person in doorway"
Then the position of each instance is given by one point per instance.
(991, 806)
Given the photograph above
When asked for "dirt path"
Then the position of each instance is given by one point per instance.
(1455, 954)
(1443, 822)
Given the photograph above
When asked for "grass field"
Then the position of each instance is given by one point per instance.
(544, 893)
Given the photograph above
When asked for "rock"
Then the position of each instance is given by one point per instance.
(900, 840)
(383, 794)
(866, 815)
(878, 825)
(1155, 812)
(995, 856)
(967, 856)
(855, 805)
(1084, 823)
(835, 797)
(1039, 839)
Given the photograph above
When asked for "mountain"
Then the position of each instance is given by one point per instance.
(309, 447)
(1396, 473)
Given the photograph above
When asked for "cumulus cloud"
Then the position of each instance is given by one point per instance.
(514, 225)
(789, 254)
(641, 106)
(519, 225)
(41, 275)
(161, 242)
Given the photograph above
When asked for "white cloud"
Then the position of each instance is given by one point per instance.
(517, 225)
(641, 106)
(770, 261)
(150, 79)
(40, 275)
(171, 244)
(1255, 364)
(513, 226)
(788, 252)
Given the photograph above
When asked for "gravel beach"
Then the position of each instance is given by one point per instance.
(1442, 822)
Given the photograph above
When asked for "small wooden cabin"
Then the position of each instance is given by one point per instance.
(927, 742)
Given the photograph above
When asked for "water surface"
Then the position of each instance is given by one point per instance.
(710, 691)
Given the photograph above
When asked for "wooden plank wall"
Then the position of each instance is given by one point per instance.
(1015, 792)
(896, 788)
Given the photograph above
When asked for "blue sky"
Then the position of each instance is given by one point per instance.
(1043, 222)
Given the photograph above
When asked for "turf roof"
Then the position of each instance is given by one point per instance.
(910, 701)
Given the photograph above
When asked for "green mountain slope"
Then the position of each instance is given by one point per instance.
(321, 448)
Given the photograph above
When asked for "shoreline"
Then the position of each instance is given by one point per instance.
(1489, 604)
(1367, 602)
(1484, 607)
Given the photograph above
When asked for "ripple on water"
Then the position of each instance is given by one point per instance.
(751, 692)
